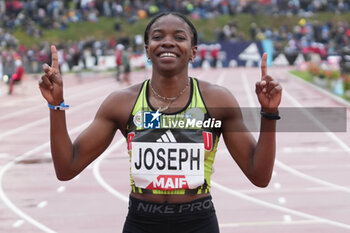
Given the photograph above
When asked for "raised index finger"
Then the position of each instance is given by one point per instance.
(54, 58)
(263, 66)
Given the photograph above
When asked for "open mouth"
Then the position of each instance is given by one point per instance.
(167, 54)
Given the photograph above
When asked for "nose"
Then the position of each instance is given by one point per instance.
(168, 41)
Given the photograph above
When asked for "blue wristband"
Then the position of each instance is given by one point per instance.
(61, 107)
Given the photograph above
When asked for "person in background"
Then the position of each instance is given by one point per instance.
(118, 60)
(202, 52)
(17, 76)
(126, 54)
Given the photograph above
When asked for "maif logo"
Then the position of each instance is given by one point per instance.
(169, 182)
(151, 120)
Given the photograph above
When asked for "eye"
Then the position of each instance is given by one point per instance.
(180, 37)
(156, 37)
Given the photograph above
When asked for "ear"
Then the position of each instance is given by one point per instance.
(147, 52)
(194, 52)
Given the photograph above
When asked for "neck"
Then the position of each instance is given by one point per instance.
(174, 74)
(169, 86)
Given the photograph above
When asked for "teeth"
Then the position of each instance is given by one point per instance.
(167, 55)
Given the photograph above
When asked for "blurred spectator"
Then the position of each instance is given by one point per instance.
(126, 53)
(34, 17)
(214, 52)
(8, 64)
(118, 60)
(253, 31)
(16, 76)
(345, 60)
(202, 52)
(138, 44)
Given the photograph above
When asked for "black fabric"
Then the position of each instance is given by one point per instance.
(192, 217)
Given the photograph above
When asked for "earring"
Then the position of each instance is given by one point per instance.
(149, 60)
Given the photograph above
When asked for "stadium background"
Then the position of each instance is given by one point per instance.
(310, 187)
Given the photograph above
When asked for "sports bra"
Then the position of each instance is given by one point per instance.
(171, 153)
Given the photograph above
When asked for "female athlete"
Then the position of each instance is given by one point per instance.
(169, 140)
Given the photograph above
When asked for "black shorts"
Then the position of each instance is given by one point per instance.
(191, 217)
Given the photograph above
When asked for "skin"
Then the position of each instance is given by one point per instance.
(169, 77)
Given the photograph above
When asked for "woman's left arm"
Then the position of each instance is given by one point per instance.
(256, 159)
(269, 93)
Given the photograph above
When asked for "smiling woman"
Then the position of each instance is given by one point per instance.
(170, 165)
(171, 43)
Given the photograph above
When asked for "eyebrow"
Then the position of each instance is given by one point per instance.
(160, 30)
(177, 31)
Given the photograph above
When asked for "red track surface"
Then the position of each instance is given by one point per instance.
(309, 191)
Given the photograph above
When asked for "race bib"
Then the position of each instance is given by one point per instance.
(167, 166)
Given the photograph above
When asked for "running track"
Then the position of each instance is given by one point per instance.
(309, 191)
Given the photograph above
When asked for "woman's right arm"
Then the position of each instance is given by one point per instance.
(71, 158)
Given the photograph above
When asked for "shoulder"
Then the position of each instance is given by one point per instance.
(118, 105)
(124, 96)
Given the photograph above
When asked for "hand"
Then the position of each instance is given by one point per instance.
(268, 90)
(50, 84)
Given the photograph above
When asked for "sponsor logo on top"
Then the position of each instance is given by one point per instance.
(194, 118)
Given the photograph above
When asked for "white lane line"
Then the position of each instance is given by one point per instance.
(343, 145)
(266, 223)
(278, 207)
(20, 112)
(22, 128)
(277, 185)
(282, 200)
(78, 94)
(47, 154)
(318, 149)
(274, 173)
(311, 178)
(334, 137)
(4, 155)
(42, 204)
(97, 174)
(287, 191)
(61, 189)
(287, 218)
(5, 168)
(7, 201)
(321, 189)
(250, 97)
(46, 119)
(18, 223)
(221, 78)
(248, 91)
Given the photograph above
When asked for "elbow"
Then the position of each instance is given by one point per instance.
(261, 182)
(63, 178)
(64, 175)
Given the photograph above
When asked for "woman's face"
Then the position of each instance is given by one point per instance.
(169, 46)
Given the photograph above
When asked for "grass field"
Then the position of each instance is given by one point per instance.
(104, 28)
